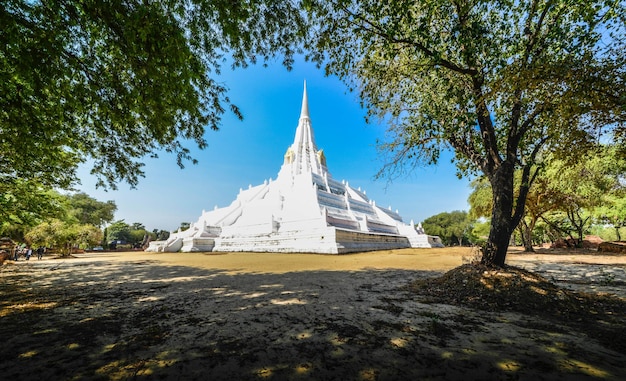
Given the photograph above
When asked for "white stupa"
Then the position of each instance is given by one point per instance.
(304, 210)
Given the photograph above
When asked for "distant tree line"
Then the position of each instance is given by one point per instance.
(500, 83)
(112, 85)
(66, 222)
(121, 235)
(567, 201)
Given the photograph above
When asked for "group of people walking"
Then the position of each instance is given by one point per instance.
(27, 252)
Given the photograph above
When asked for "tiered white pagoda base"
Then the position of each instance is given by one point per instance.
(304, 210)
(328, 240)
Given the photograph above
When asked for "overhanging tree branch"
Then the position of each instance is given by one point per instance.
(375, 29)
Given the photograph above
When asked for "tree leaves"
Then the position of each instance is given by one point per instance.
(499, 82)
(454, 227)
(116, 81)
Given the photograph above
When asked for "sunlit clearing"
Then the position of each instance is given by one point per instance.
(218, 290)
(539, 290)
(271, 286)
(144, 372)
(529, 279)
(555, 350)
(108, 368)
(265, 372)
(254, 295)
(166, 357)
(576, 365)
(336, 340)
(509, 365)
(7, 310)
(486, 284)
(27, 355)
(108, 347)
(303, 368)
(399, 342)
(447, 355)
(283, 302)
(368, 374)
(304, 335)
(149, 299)
(43, 332)
(165, 363)
(177, 279)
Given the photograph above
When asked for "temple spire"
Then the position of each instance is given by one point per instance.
(303, 153)
(304, 112)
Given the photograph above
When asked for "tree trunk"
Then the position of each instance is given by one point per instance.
(494, 253)
(527, 233)
(497, 245)
(580, 232)
(521, 233)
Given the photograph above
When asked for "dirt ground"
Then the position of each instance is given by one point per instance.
(243, 316)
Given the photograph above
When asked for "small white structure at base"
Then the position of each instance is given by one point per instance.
(304, 210)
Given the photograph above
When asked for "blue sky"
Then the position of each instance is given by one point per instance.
(251, 151)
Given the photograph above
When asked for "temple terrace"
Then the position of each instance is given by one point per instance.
(304, 210)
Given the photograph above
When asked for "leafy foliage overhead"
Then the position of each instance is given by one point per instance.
(481, 77)
(115, 81)
(87, 210)
(25, 202)
(498, 82)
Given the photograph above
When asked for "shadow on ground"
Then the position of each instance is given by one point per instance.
(142, 320)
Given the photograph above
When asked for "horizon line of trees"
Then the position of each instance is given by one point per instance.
(66, 222)
(568, 200)
(457, 228)
(501, 84)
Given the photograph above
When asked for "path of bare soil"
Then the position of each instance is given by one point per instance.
(120, 316)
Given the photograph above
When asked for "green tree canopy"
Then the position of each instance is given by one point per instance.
(498, 82)
(566, 194)
(138, 234)
(540, 200)
(64, 235)
(614, 213)
(30, 204)
(114, 81)
(88, 210)
(454, 228)
(480, 198)
(138, 226)
(25, 203)
(118, 230)
(160, 235)
(585, 190)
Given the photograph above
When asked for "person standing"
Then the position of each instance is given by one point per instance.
(29, 252)
(40, 250)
